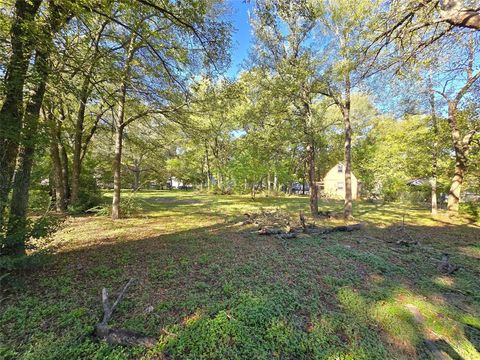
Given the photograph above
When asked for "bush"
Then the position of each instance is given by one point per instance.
(34, 230)
(471, 208)
(89, 195)
(39, 199)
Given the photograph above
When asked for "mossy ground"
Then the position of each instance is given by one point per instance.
(210, 289)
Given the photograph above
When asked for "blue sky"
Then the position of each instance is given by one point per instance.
(242, 36)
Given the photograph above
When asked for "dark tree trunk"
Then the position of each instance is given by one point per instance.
(78, 146)
(17, 222)
(119, 128)
(311, 180)
(65, 171)
(11, 112)
(78, 138)
(207, 163)
(58, 176)
(17, 231)
(433, 180)
(117, 165)
(310, 150)
(347, 209)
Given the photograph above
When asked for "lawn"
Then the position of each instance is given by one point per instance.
(209, 288)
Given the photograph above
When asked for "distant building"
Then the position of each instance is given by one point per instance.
(333, 184)
(174, 183)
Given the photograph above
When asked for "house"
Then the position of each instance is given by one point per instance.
(333, 184)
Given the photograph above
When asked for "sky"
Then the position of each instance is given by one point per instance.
(242, 36)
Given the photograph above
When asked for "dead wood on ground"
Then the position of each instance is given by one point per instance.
(119, 336)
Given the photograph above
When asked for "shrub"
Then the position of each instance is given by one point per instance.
(89, 195)
(471, 208)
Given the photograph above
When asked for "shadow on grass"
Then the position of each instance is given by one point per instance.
(218, 291)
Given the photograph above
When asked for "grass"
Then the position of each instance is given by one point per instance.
(220, 292)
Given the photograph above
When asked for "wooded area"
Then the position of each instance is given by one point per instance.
(103, 98)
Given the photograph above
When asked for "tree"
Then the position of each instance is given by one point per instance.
(283, 33)
(345, 25)
(22, 34)
(17, 222)
(453, 95)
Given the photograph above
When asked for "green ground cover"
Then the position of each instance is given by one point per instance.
(208, 288)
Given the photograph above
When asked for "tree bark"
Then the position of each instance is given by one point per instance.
(454, 13)
(119, 128)
(311, 180)
(58, 176)
(17, 222)
(433, 180)
(78, 138)
(347, 209)
(460, 160)
(310, 149)
(11, 113)
(209, 172)
(117, 163)
(65, 172)
(85, 91)
(17, 232)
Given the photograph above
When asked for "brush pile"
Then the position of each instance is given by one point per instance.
(282, 225)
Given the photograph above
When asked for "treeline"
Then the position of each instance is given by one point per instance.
(74, 67)
(125, 92)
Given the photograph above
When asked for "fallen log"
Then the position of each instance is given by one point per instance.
(270, 231)
(289, 235)
(341, 228)
(119, 336)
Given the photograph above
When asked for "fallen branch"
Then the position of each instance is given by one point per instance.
(270, 231)
(303, 222)
(119, 336)
(341, 228)
(445, 267)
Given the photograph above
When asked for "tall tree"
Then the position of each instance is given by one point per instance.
(453, 95)
(284, 34)
(17, 223)
(345, 25)
(22, 36)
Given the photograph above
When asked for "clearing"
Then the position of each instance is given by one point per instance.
(210, 288)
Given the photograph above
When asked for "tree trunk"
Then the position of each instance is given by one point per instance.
(58, 176)
(460, 160)
(85, 92)
(209, 172)
(433, 180)
(117, 164)
(311, 180)
(136, 175)
(78, 139)
(17, 230)
(347, 209)
(455, 13)
(269, 188)
(11, 112)
(119, 127)
(17, 222)
(275, 182)
(65, 172)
